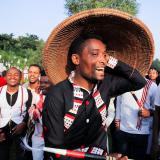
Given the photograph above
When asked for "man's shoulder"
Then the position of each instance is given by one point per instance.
(27, 91)
(61, 86)
(3, 88)
(25, 85)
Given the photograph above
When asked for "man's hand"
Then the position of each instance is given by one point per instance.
(118, 156)
(123, 158)
(117, 123)
(145, 113)
(107, 58)
(34, 112)
(19, 128)
(2, 136)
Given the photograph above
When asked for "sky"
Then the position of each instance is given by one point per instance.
(39, 17)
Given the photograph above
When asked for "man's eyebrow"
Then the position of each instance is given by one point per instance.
(96, 49)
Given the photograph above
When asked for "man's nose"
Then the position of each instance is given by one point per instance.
(32, 74)
(13, 76)
(102, 59)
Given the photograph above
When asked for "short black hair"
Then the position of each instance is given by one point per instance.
(35, 65)
(154, 68)
(77, 47)
(43, 73)
(4, 73)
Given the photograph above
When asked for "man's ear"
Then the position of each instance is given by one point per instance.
(75, 59)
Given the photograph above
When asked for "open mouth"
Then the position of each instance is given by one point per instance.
(100, 69)
(13, 81)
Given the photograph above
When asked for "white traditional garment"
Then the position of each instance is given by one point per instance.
(16, 112)
(127, 111)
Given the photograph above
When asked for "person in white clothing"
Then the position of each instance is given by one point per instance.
(133, 121)
(108, 121)
(15, 101)
(33, 83)
(35, 115)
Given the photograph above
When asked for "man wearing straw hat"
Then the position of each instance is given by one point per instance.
(75, 109)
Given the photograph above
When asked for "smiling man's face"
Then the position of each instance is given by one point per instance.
(92, 60)
(13, 77)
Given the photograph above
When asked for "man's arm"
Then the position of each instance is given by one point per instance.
(124, 78)
(52, 120)
(52, 117)
(118, 112)
(111, 114)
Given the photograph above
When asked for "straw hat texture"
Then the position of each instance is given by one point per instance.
(126, 38)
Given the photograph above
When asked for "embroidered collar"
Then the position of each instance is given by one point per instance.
(71, 80)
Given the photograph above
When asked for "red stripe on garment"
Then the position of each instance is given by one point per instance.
(70, 116)
(75, 154)
(145, 91)
(77, 101)
(139, 104)
(104, 106)
(96, 93)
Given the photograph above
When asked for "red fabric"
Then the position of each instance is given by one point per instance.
(40, 103)
(36, 110)
(2, 81)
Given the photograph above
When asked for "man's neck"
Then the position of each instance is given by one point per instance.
(12, 89)
(34, 85)
(83, 82)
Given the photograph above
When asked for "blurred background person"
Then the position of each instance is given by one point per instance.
(134, 111)
(35, 113)
(34, 73)
(153, 75)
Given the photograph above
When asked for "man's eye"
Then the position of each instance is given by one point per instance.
(94, 53)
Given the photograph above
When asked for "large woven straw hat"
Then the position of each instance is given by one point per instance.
(126, 38)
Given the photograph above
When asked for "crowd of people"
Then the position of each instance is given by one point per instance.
(22, 104)
(60, 122)
(99, 108)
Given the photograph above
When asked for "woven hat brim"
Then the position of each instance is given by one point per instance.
(126, 38)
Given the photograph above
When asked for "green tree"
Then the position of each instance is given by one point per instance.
(28, 42)
(75, 6)
(7, 42)
(21, 51)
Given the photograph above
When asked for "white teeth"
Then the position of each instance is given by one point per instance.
(100, 69)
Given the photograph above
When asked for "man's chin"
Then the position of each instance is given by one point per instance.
(13, 85)
(100, 78)
(32, 82)
(94, 79)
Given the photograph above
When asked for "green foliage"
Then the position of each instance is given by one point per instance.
(156, 64)
(75, 6)
(21, 51)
